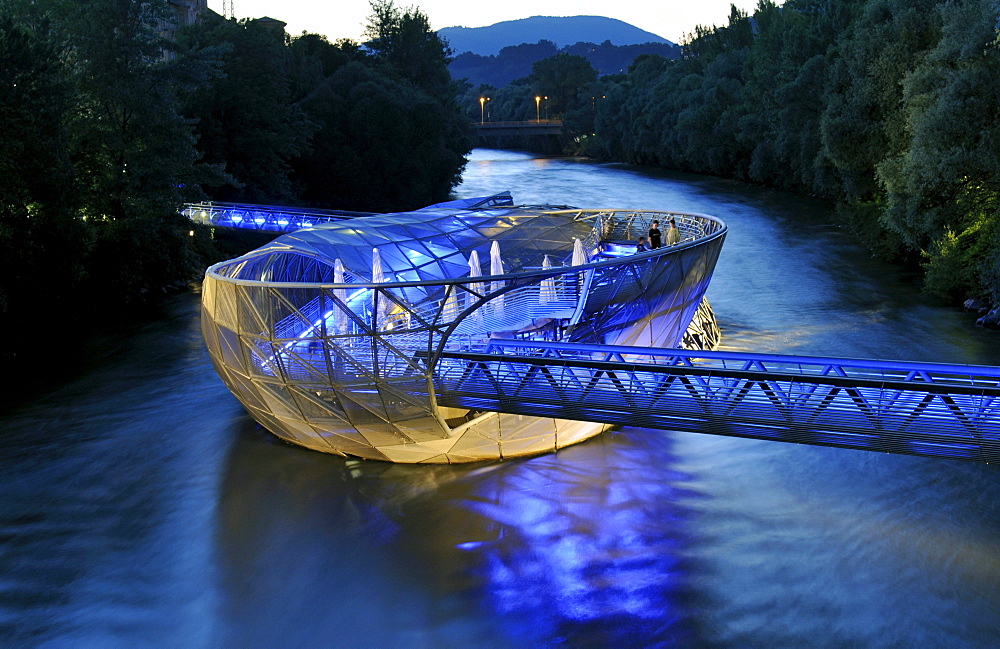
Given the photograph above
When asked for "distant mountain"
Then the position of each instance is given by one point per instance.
(561, 31)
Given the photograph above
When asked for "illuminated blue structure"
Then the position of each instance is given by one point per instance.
(331, 335)
(933, 409)
(384, 337)
(261, 217)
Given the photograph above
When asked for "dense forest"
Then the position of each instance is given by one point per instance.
(887, 108)
(111, 118)
(562, 82)
(515, 61)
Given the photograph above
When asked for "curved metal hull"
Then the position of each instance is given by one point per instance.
(348, 367)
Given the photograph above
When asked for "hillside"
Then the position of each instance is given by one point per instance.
(516, 61)
(562, 31)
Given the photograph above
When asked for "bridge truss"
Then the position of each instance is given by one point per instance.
(930, 409)
(261, 217)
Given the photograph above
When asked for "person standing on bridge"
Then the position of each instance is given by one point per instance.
(673, 234)
(641, 246)
(655, 240)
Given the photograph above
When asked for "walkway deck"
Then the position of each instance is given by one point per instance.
(929, 409)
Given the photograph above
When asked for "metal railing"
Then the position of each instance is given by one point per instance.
(913, 408)
(532, 293)
(261, 217)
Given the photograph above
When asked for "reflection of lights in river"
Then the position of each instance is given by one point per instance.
(593, 535)
(588, 546)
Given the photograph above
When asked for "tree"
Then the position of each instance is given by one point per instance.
(42, 244)
(94, 159)
(560, 78)
(247, 120)
(403, 40)
(943, 186)
(382, 144)
(132, 149)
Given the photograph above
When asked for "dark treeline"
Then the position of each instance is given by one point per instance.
(561, 82)
(886, 107)
(110, 118)
(515, 61)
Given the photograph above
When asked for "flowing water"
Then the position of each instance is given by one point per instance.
(141, 507)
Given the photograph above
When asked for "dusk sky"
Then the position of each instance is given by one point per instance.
(671, 19)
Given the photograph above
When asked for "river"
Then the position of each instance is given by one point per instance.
(141, 507)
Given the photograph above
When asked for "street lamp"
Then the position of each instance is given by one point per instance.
(482, 109)
(538, 115)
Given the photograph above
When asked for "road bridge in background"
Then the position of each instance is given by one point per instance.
(511, 129)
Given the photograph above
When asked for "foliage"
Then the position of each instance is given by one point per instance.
(886, 107)
(111, 118)
(335, 125)
(245, 118)
(132, 148)
(516, 61)
(562, 83)
(403, 41)
(41, 241)
(942, 185)
(93, 141)
(560, 79)
(382, 145)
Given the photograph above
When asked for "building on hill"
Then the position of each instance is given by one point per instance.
(273, 24)
(187, 12)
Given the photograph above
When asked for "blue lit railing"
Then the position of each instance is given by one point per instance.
(913, 408)
(261, 217)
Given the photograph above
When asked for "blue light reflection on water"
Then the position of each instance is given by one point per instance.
(587, 553)
(522, 553)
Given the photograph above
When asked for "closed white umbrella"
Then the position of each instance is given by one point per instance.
(340, 316)
(579, 256)
(496, 268)
(378, 277)
(579, 259)
(547, 292)
(474, 271)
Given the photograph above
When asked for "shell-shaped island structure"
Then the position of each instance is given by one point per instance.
(329, 335)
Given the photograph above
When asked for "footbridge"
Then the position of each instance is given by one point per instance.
(930, 409)
(268, 218)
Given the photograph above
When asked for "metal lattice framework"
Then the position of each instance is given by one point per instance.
(272, 218)
(328, 353)
(913, 408)
(261, 217)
